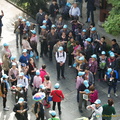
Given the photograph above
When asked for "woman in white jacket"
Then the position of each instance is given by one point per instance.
(97, 110)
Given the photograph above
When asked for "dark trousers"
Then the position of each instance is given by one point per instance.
(21, 117)
(114, 85)
(6, 72)
(44, 48)
(92, 15)
(25, 94)
(4, 101)
(77, 95)
(0, 31)
(60, 69)
(59, 106)
(18, 35)
(101, 74)
(40, 116)
(35, 49)
(50, 50)
(70, 59)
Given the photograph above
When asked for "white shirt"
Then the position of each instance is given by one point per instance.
(97, 112)
(23, 81)
(74, 11)
(60, 57)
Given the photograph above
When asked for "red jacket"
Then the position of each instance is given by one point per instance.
(57, 95)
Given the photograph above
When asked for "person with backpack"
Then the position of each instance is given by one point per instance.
(111, 77)
(102, 65)
(60, 59)
(39, 110)
(24, 82)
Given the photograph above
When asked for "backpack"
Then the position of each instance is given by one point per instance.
(58, 54)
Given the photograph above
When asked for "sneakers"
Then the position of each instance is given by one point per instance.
(116, 95)
(108, 95)
(70, 66)
(6, 109)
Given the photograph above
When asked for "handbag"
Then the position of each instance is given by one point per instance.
(50, 98)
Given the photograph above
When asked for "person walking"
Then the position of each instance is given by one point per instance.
(21, 109)
(1, 24)
(60, 59)
(90, 10)
(34, 42)
(108, 110)
(39, 110)
(74, 12)
(57, 96)
(111, 77)
(39, 19)
(97, 110)
(54, 9)
(4, 89)
(17, 25)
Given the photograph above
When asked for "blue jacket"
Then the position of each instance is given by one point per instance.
(24, 59)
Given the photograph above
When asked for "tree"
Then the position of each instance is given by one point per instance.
(112, 23)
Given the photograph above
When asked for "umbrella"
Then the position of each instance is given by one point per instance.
(39, 96)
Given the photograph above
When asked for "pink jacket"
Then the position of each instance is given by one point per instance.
(37, 81)
(42, 74)
(94, 96)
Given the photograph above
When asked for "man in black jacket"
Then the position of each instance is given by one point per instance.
(39, 19)
(90, 9)
(53, 10)
(39, 111)
(21, 109)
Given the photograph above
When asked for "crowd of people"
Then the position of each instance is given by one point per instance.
(85, 50)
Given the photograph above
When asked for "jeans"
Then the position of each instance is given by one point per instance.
(59, 106)
(31, 81)
(114, 85)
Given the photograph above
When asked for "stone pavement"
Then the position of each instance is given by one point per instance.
(69, 105)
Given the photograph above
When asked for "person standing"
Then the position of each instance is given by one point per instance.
(74, 12)
(90, 10)
(57, 96)
(97, 110)
(80, 5)
(52, 39)
(1, 24)
(21, 109)
(60, 59)
(39, 110)
(4, 89)
(24, 82)
(54, 9)
(39, 19)
(108, 110)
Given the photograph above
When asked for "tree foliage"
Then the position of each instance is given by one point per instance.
(32, 6)
(112, 24)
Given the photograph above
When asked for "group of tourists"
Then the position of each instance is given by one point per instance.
(85, 50)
